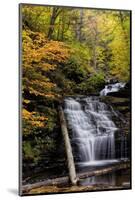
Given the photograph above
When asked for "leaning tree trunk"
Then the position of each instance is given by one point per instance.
(70, 159)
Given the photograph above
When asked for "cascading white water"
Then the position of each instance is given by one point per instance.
(92, 129)
(112, 88)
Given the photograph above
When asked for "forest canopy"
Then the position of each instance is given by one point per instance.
(66, 51)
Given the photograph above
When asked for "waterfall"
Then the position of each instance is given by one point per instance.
(92, 129)
(112, 88)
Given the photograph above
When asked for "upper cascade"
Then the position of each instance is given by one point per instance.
(112, 88)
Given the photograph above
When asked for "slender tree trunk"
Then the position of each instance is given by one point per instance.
(95, 54)
(62, 27)
(51, 28)
(94, 57)
(59, 27)
(70, 159)
(79, 26)
(123, 28)
(55, 13)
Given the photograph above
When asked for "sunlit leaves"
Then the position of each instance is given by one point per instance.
(108, 35)
(33, 118)
(39, 56)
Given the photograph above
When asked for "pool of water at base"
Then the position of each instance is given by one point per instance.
(120, 178)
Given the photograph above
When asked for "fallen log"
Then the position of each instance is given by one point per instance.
(65, 180)
(68, 148)
(106, 170)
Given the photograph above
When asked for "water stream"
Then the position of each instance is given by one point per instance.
(112, 88)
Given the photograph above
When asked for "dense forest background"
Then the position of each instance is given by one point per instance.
(66, 51)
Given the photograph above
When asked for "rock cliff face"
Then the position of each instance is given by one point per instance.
(121, 103)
